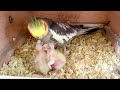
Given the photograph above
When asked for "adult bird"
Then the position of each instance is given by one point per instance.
(48, 30)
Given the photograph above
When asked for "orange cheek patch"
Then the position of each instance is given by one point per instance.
(45, 25)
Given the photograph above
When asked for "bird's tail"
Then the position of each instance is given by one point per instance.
(89, 28)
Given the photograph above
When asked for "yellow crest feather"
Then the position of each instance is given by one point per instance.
(36, 27)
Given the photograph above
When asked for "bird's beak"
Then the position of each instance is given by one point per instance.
(40, 37)
(40, 43)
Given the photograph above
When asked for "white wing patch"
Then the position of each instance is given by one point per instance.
(63, 26)
(57, 37)
(61, 38)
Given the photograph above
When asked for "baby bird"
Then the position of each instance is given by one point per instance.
(56, 59)
(41, 60)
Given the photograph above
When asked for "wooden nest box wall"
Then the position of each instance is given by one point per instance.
(13, 26)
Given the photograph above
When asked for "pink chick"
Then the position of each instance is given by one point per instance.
(56, 59)
(41, 60)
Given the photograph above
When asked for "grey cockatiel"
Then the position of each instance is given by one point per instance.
(60, 33)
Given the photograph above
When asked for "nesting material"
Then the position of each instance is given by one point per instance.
(91, 57)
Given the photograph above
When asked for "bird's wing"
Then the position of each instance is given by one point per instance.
(62, 32)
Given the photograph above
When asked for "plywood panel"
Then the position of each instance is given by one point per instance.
(12, 25)
(74, 16)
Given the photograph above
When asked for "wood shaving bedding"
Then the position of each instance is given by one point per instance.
(91, 57)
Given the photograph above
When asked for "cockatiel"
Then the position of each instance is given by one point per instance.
(48, 59)
(56, 59)
(41, 61)
(61, 34)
